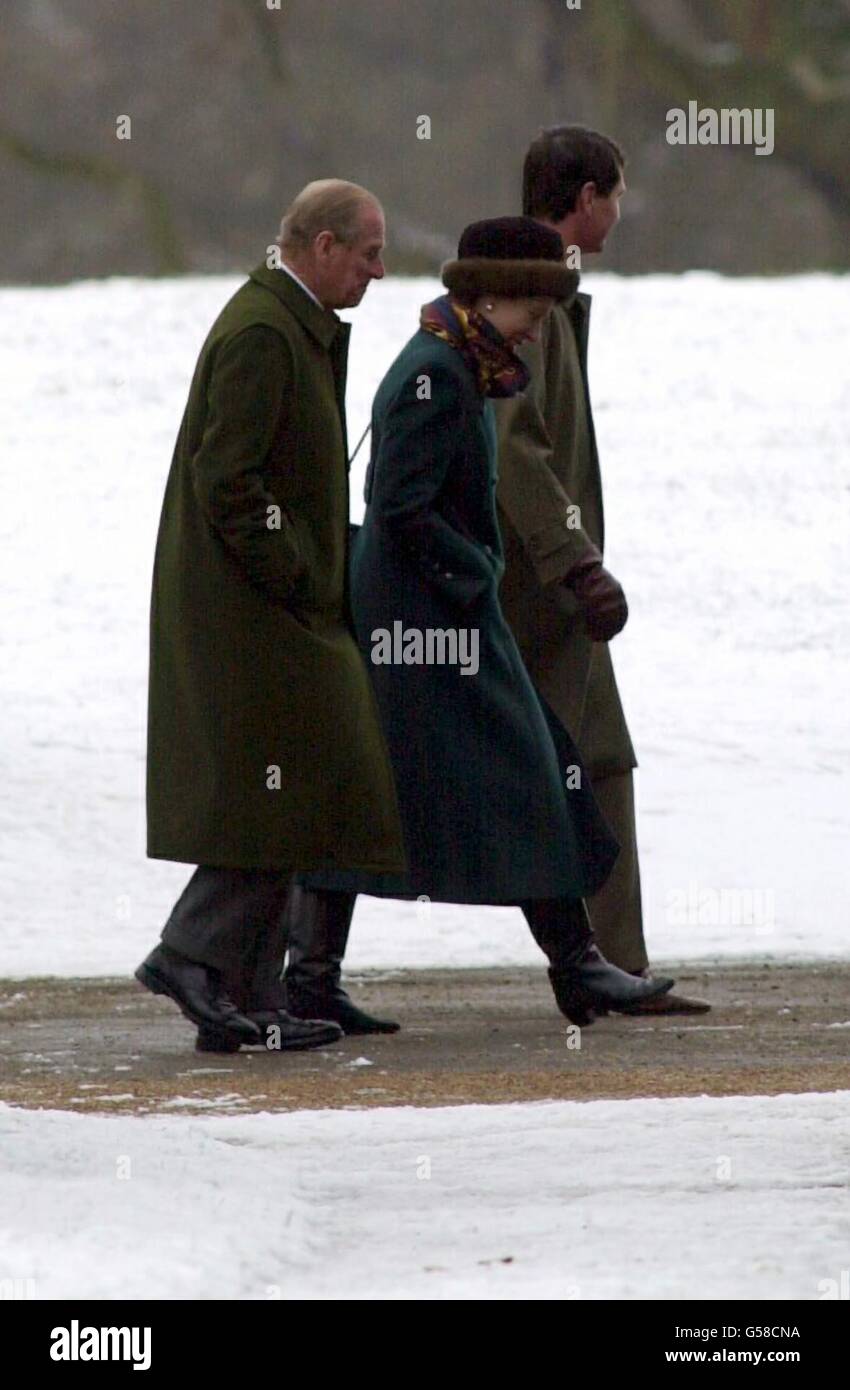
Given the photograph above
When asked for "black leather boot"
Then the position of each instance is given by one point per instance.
(585, 984)
(318, 924)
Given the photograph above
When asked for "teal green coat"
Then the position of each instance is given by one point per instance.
(253, 664)
(488, 806)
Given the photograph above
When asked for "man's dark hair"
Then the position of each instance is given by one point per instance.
(561, 160)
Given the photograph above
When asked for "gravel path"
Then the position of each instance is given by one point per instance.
(468, 1037)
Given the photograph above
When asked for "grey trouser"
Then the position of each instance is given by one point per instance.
(615, 911)
(233, 921)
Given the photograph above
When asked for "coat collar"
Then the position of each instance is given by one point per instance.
(580, 302)
(323, 324)
(578, 311)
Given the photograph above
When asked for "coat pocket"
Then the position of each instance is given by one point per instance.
(463, 589)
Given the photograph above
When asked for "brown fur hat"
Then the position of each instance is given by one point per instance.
(514, 256)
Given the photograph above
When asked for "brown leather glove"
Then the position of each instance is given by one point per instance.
(601, 597)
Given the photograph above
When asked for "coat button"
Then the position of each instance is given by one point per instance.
(448, 575)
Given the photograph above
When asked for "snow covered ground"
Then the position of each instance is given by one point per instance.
(662, 1199)
(723, 410)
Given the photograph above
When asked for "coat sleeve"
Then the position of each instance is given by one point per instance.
(528, 490)
(251, 377)
(418, 444)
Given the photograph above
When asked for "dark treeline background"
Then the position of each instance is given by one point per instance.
(235, 105)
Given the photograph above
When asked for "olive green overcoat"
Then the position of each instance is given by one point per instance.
(264, 741)
(548, 468)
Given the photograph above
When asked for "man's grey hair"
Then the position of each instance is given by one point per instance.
(327, 205)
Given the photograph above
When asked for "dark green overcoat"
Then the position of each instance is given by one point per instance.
(548, 466)
(253, 662)
(483, 790)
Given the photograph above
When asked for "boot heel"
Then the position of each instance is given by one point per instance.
(574, 999)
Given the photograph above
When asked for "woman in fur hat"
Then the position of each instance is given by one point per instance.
(495, 805)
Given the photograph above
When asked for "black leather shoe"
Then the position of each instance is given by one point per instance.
(278, 1032)
(197, 991)
(591, 986)
(216, 1040)
(336, 1005)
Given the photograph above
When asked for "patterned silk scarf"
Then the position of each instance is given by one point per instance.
(498, 370)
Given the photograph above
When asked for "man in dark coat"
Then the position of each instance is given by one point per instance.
(265, 753)
(562, 603)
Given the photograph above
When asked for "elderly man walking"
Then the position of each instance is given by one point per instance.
(563, 605)
(265, 754)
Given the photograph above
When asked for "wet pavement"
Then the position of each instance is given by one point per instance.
(468, 1036)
